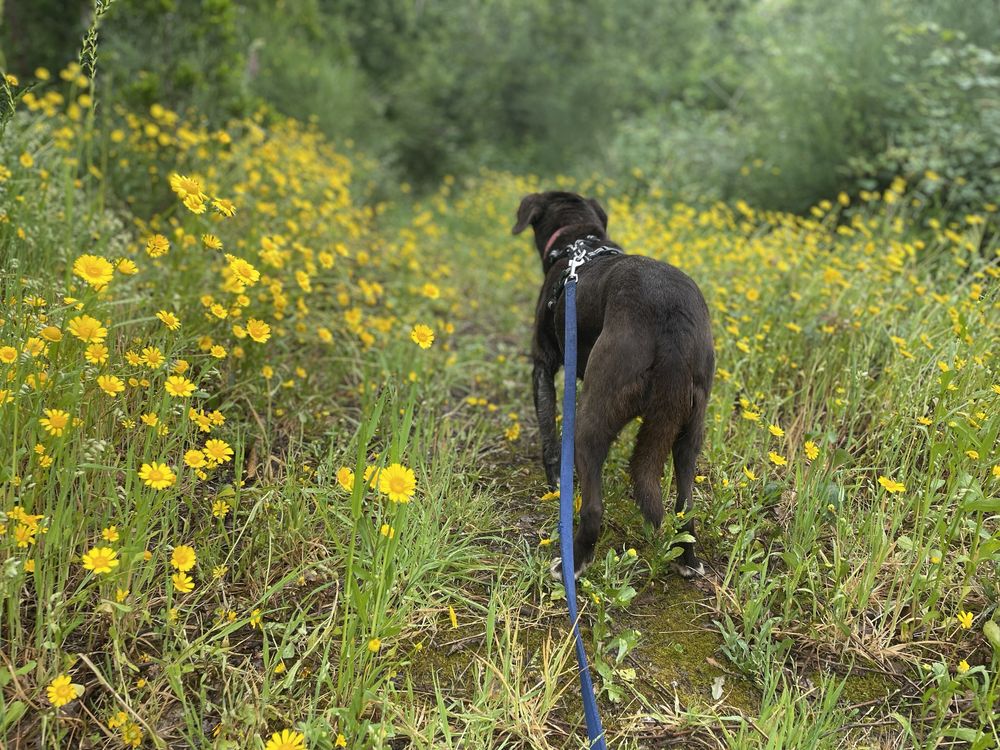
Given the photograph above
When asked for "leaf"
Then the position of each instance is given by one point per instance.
(10, 716)
(982, 505)
(966, 734)
(5, 675)
(628, 674)
(625, 594)
(992, 632)
(717, 684)
(903, 722)
(989, 548)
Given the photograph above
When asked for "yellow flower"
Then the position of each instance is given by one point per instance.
(185, 186)
(34, 346)
(243, 271)
(153, 357)
(812, 450)
(220, 509)
(398, 482)
(87, 329)
(62, 691)
(157, 246)
(8, 354)
(183, 582)
(195, 458)
(218, 451)
(964, 619)
(891, 485)
(225, 207)
(156, 475)
(110, 534)
(24, 535)
(258, 330)
(775, 430)
(777, 459)
(963, 666)
(94, 269)
(752, 416)
(422, 336)
(117, 720)
(255, 618)
(51, 333)
(345, 478)
(132, 734)
(96, 354)
(286, 739)
(179, 386)
(170, 320)
(127, 267)
(54, 421)
(183, 558)
(194, 204)
(211, 242)
(110, 384)
(374, 645)
(101, 560)
(749, 474)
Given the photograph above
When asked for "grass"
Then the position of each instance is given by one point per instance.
(846, 501)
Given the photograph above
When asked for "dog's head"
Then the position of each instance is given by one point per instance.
(550, 212)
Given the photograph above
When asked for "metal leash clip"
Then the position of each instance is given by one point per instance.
(578, 259)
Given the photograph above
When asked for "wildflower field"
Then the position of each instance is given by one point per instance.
(269, 474)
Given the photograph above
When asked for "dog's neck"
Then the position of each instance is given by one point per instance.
(569, 229)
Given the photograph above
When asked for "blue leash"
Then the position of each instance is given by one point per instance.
(594, 730)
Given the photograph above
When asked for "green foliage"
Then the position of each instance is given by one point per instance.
(29, 38)
(945, 114)
(182, 54)
(779, 103)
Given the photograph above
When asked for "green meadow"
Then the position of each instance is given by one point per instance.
(269, 467)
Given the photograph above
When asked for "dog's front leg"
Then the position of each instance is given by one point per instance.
(543, 381)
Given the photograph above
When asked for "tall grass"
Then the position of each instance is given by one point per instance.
(846, 496)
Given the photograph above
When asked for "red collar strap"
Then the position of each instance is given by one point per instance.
(552, 240)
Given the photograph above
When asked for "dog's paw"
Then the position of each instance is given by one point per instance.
(688, 572)
(555, 570)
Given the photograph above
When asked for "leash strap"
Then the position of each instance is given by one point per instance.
(594, 730)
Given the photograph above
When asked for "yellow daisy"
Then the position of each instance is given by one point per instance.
(398, 482)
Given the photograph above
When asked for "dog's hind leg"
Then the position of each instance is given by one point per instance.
(685, 451)
(652, 447)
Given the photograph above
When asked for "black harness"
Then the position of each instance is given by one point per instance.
(580, 252)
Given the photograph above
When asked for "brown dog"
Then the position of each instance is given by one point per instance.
(645, 350)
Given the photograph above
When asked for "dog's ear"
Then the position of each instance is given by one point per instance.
(601, 213)
(527, 212)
